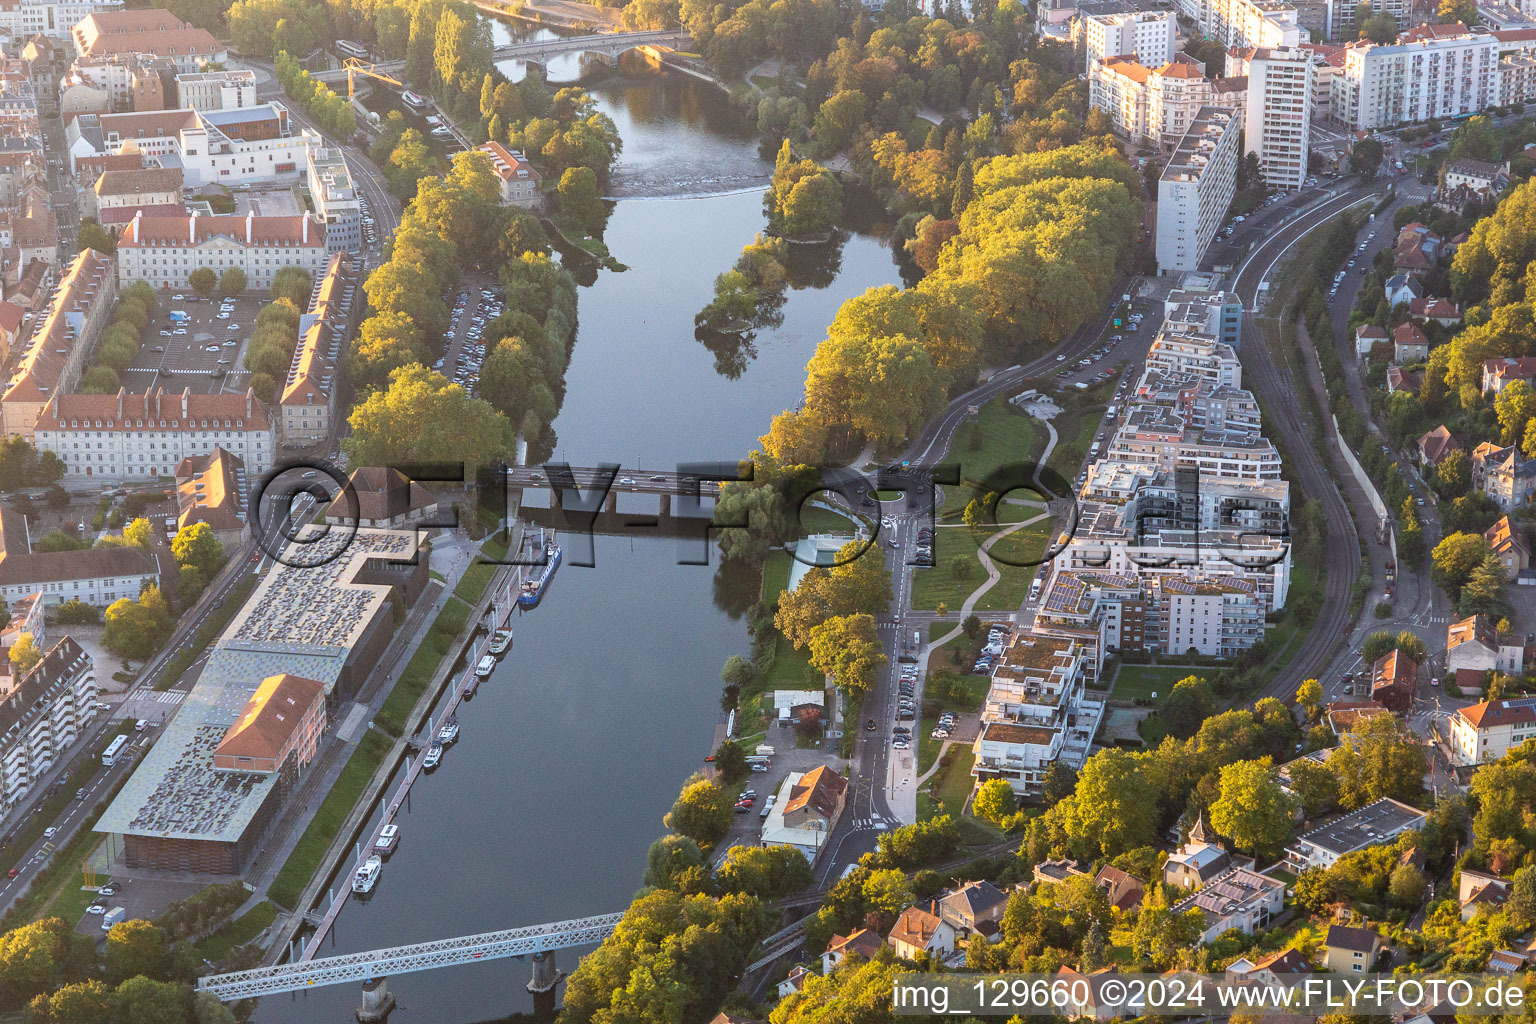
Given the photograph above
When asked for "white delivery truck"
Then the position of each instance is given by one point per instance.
(113, 916)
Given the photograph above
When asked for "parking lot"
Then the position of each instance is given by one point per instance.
(202, 352)
(1116, 347)
(141, 898)
(475, 306)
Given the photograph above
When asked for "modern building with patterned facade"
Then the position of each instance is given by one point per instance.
(325, 613)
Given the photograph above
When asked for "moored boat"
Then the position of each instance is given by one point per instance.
(367, 875)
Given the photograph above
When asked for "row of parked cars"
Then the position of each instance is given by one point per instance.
(997, 636)
(925, 547)
(944, 727)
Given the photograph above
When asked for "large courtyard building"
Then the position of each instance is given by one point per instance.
(166, 250)
(156, 32)
(127, 436)
(55, 356)
(326, 621)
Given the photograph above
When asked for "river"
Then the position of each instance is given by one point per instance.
(573, 751)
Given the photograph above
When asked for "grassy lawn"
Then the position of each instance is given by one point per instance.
(952, 786)
(238, 932)
(1000, 436)
(776, 570)
(827, 520)
(1283, 635)
(1075, 429)
(305, 858)
(422, 666)
(792, 669)
(178, 663)
(1139, 682)
(930, 586)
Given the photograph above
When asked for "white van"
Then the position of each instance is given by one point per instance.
(1034, 591)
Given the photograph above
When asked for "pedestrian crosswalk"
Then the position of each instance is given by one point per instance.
(171, 697)
(878, 824)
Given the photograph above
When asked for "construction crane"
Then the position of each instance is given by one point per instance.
(357, 67)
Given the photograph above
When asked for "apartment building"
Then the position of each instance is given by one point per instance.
(166, 250)
(1118, 86)
(1176, 93)
(308, 404)
(20, 19)
(1148, 36)
(1279, 116)
(1428, 73)
(1343, 16)
(127, 436)
(1198, 355)
(335, 197)
(216, 90)
(1372, 825)
(43, 718)
(1195, 189)
(55, 355)
(213, 489)
(1205, 310)
(1487, 731)
(155, 32)
(1239, 24)
(1036, 712)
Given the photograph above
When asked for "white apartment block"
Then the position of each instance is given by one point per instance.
(335, 198)
(1036, 712)
(166, 250)
(1157, 103)
(1487, 731)
(1118, 86)
(1196, 355)
(1146, 35)
(125, 436)
(1175, 93)
(1280, 114)
(1424, 75)
(43, 718)
(216, 90)
(1343, 24)
(1195, 189)
(20, 20)
(1239, 24)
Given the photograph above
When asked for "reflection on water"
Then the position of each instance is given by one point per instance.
(572, 752)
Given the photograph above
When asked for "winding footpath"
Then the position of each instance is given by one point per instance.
(993, 575)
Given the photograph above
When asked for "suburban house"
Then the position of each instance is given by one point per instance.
(1504, 475)
(1506, 370)
(1350, 950)
(1371, 825)
(1409, 343)
(1442, 311)
(1510, 545)
(1050, 872)
(862, 943)
(1489, 730)
(1367, 336)
(1417, 249)
(1399, 379)
(1505, 961)
(1477, 890)
(517, 178)
(1197, 861)
(1392, 680)
(976, 908)
(1474, 644)
(1436, 444)
(1402, 289)
(1277, 970)
(795, 982)
(920, 929)
(1240, 898)
(805, 811)
(1123, 890)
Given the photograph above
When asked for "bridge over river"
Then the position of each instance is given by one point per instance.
(540, 51)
